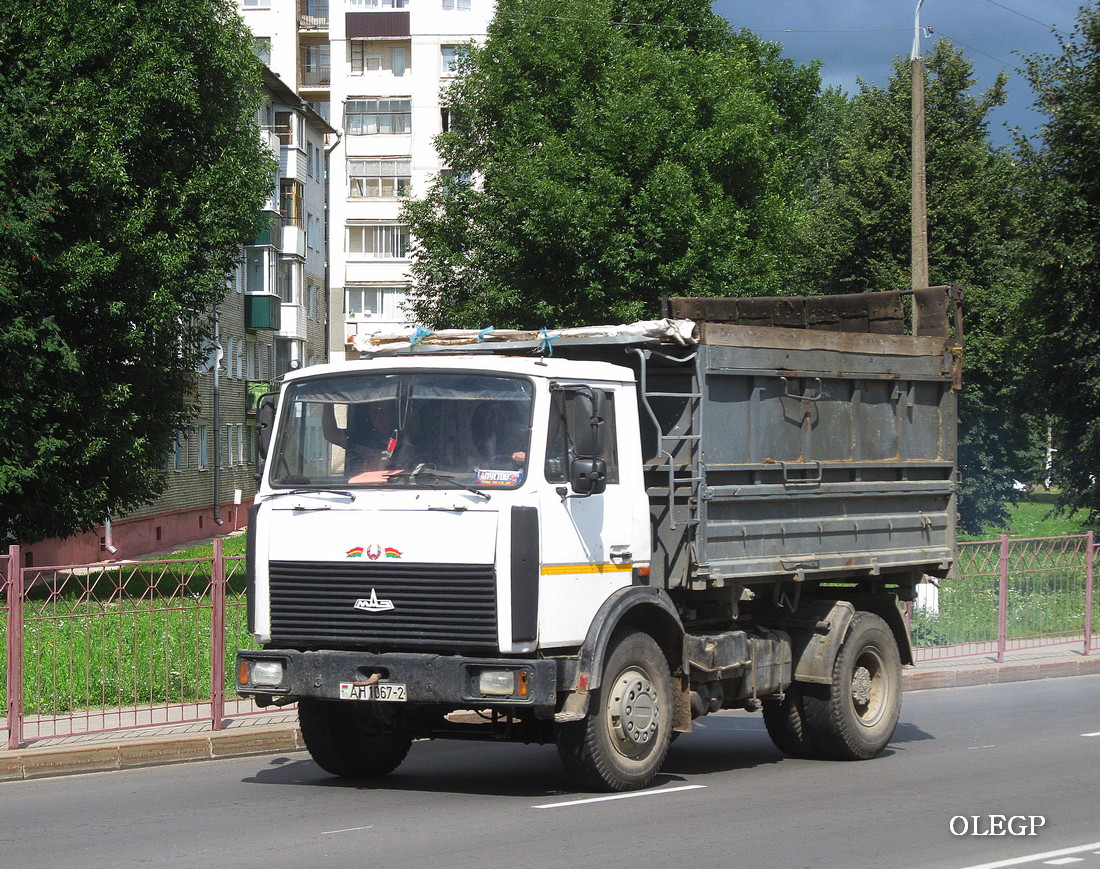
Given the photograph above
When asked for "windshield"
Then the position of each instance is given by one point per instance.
(422, 430)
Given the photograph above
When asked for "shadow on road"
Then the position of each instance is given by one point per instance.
(720, 743)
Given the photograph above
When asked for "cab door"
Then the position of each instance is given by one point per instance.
(589, 544)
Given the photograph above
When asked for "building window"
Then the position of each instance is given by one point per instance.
(377, 4)
(286, 128)
(386, 302)
(450, 57)
(370, 117)
(261, 47)
(204, 447)
(179, 451)
(257, 4)
(259, 269)
(378, 179)
(290, 201)
(366, 56)
(290, 278)
(321, 108)
(456, 5)
(378, 241)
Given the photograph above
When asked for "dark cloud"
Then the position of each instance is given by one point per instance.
(860, 39)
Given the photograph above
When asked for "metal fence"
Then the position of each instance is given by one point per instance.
(92, 648)
(100, 647)
(1007, 595)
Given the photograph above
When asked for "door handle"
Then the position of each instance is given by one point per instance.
(621, 554)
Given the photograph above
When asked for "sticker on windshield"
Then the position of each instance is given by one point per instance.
(498, 478)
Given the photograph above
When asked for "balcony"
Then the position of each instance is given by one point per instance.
(316, 77)
(313, 15)
(263, 311)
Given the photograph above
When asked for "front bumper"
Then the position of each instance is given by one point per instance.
(429, 679)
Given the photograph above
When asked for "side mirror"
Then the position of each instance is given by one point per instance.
(588, 476)
(265, 421)
(589, 417)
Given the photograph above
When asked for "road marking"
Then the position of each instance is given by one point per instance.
(1037, 858)
(976, 747)
(629, 796)
(1064, 861)
(1092, 734)
(348, 830)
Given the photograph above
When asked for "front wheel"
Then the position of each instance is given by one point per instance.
(350, 739)
(622, 743)
(854, 717)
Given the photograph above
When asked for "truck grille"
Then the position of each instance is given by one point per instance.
(436, 607)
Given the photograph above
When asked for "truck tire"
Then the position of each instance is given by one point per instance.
(786, 723)
(345, 739)
(622, 743)
(854, 717)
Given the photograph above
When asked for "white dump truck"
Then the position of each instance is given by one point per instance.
(592, 537)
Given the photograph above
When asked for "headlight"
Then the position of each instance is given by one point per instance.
(268, 674)
(503, 683)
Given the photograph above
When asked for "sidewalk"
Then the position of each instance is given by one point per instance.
(277, 731)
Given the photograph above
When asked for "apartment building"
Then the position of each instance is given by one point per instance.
(271, 319)
(374, 69)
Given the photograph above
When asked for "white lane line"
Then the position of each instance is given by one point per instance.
(1092, 734)
(630, 796)
(1037, 858)
(348, 830)
(1065, 861)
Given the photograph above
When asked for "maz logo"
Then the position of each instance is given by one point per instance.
(372, 604)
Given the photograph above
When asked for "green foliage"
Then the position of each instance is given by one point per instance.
(858, 239)
(596, 166)
(1066, 300)
(130, 174)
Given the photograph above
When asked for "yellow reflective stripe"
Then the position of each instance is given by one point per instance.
(557, 569)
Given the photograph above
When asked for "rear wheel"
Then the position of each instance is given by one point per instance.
(786, 723)
(854, 717)
(622, 743)
(350, 739)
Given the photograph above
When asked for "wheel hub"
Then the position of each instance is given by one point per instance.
(861, 686)
(634, 710)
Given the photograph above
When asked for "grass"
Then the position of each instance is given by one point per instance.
(126, 635)
(1036, 515)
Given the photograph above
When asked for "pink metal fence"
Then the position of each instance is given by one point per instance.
(100, 647)
(1007, 595)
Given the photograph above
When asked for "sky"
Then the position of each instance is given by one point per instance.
(861, 38)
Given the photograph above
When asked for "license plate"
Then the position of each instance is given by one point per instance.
(391, 692)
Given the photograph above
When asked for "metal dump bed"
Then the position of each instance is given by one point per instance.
(811, 452)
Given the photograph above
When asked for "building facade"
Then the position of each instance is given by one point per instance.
(375, 69)
(271, 319)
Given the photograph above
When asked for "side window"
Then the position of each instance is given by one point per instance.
(558, 447)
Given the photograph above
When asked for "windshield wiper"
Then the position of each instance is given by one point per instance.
(349, 495)
(421, 473)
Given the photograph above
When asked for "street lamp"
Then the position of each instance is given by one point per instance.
(919, 207)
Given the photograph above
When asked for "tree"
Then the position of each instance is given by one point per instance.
(606, 157)
(859, 239)
(130, 175)
(1066, 301)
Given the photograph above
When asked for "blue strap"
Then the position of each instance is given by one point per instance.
(419, 335)
(481, 335)
(545, 347)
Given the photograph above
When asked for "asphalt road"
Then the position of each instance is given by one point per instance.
(961, 758)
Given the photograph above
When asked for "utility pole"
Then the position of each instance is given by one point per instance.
(919, 212)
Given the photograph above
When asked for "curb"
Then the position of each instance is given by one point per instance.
(33, 763)
(85, 757)
(993, 674)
